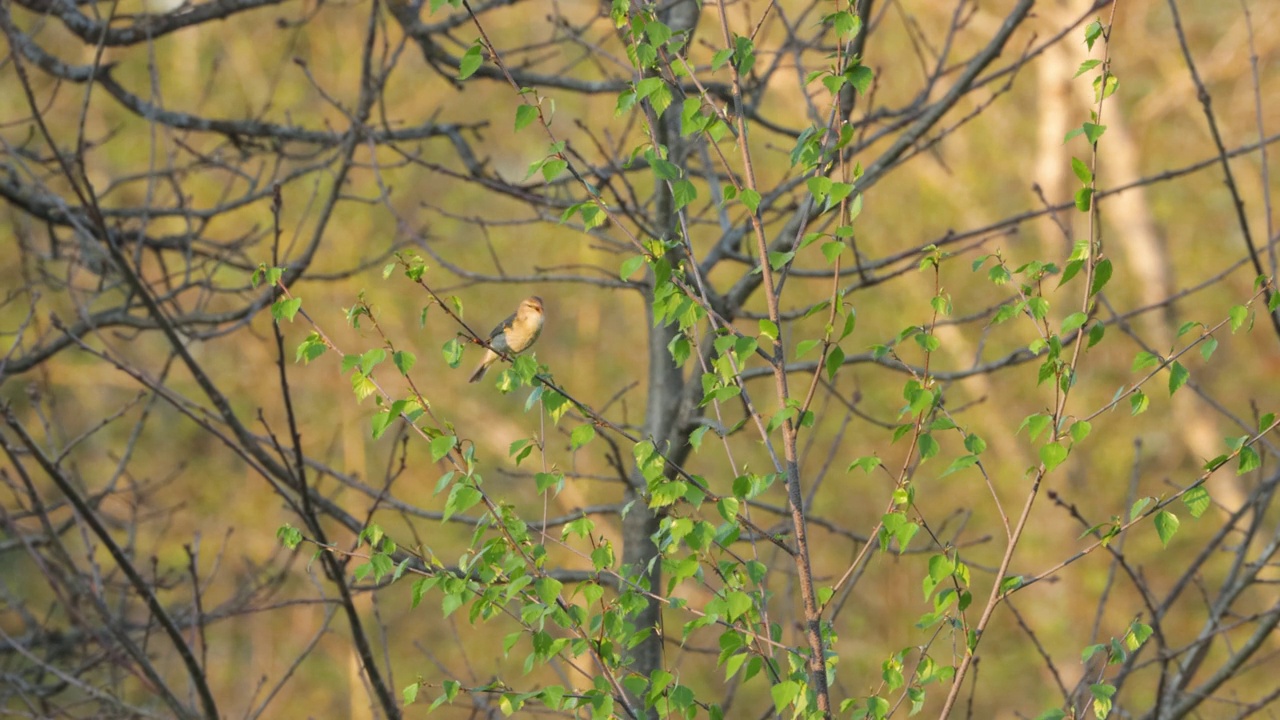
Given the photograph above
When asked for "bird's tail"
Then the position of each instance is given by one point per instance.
(485, 362)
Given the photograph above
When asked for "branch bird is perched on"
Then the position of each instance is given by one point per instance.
(513, 335)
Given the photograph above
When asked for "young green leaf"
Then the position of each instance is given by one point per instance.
(1166, 526)
(1052, 456)
(1177, 376)
(525, 114)
(581, 435)
(1249, 460)
(630, 266)
(441, 446)
(1101, 275)
(1197, 500)
(471, 61)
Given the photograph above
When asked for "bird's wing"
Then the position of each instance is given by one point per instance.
(502, 326)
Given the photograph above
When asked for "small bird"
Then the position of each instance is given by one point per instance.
(513, 335)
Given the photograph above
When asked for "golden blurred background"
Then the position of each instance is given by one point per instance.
(175, 490)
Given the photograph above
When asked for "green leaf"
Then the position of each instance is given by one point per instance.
(1093, 132)
(1238, 315)
(779, 260)
(648, 86)
(362, 386)
(1177, 376)
(1073, 321)
(310, 348)
(691, 118)
(548, 589)
(751, 199)
(850, 322)
(1084, 199)
(1249, 460)
(835, 358)
(781, 417)
(844, 22)
(462, 498)
(896, 526)
(928, 446)
(543, 482)
(371, 360)
(860, 76)
(680, 349)
(471, 61)
(441, 446)
(525, 114)
(1052, 456)
(581, 435)
(270, 276)
(683, 192)
(452, 352)
(630, 266)
(1138, 402)
(975, 444)
(289, 536)
(1102, 702)
(1092, 32)
(552, 168)
(1197, 500)
(960, 463)
(1207, 347)
(1010, 583)
(784, 693)
(1101, 275)
(404, 361)
(1035, 424)
(1072, 269)
(1081, 170)
(1144, 360)
(1086, 66)
(839, 191)
(658, 32)
(1166, 526)
(285, 309)
(744, 56)
(1096, 332)
(381, 421)
(805, 346)
(737, 604)
(520, 449)
(831, 250)
(1105, 86)
(819, 186)
(866, 464)
(1216, 463)
(1080, 430)
(768, 329)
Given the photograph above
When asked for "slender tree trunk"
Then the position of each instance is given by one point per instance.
(662, 424)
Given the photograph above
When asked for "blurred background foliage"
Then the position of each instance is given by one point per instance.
(298, 64)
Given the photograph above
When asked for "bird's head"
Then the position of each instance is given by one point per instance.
(531, 306)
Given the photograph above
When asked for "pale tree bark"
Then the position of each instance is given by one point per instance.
(662, 423)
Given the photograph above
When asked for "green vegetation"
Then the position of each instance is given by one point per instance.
(897, 360)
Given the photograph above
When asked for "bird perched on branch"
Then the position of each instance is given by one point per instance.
(513, 335)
